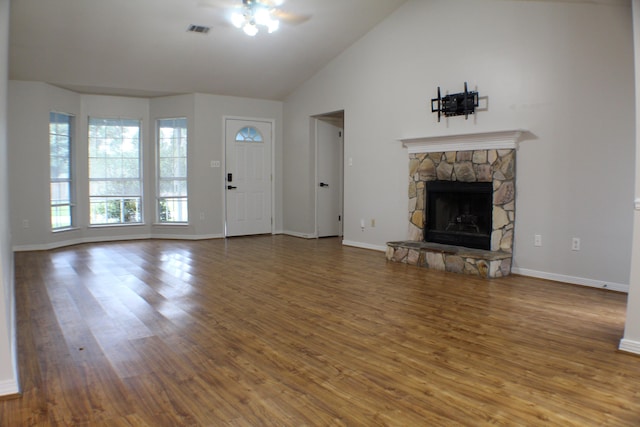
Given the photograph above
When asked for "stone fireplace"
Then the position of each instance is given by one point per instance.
(461, 203)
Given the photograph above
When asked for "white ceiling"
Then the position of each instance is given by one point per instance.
(142, 47)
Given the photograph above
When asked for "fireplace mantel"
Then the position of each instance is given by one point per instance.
(497, 140)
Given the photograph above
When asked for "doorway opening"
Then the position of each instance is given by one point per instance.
(328, 130)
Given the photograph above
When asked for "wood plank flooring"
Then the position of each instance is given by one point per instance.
(279, 331)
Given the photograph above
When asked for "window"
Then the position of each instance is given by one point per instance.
(61, 176)
(172, 201)
(115, 178)
(249, 134)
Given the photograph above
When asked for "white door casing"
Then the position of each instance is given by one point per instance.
(329, 179)
(248, 163)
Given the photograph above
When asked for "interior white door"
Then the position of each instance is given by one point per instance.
(248, 177)
(329, 190)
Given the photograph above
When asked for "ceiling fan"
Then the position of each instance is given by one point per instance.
(253, 15)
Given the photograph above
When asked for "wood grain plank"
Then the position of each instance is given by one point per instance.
(275, 330)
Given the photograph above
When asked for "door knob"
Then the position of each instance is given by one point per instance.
(231, 187)
(322, 184)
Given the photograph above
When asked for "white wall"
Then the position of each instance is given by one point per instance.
(30, 104)
(563, 71)
(29, 107)
(8, 350)
(631, 339)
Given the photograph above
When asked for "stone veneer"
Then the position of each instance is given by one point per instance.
(483, 165)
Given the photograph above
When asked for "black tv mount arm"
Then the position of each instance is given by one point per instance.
(456, 104)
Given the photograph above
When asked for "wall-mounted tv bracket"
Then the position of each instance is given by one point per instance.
(456, 104)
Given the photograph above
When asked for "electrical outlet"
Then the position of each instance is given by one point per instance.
(575, 244)
(201, 215)
(537, 240)
(25, 223)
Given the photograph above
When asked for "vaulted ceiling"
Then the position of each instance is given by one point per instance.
(143, 48)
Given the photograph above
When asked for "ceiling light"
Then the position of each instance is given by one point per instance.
(273, 25)
(262, 16)
(254, 15)
(237, 19)
(250, 29)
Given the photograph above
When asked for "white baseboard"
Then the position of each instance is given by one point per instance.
(602, 284)
(63, 243)
(70, 242)
(629, 346)
(9, 387)
(364, 245)
(297, 234)
(186, 237)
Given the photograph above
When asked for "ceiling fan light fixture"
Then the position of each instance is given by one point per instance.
(237, 19)
(262, 16)
(273, 26)
(250, 29)
(255, 15)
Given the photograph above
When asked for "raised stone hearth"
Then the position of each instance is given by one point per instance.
(455, 259)
(481, 157)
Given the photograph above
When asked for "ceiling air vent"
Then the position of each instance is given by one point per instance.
(198, 29)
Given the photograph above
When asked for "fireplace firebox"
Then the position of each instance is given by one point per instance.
(459, 213)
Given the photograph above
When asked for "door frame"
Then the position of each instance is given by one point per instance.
(223, 171)
(315, 119)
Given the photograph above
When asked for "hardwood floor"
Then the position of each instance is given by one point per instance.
(279, 331)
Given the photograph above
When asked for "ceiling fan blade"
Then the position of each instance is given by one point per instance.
(291, 18)
(220, 4)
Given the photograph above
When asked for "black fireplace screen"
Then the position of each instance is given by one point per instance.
(459, 213)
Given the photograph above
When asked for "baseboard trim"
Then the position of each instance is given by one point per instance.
(364, 245)
(9, 388)
(71, 242)
(601, 284)
(187, 237)
(629, 346)
(297, 234)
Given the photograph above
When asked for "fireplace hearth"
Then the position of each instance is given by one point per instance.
(459, 213)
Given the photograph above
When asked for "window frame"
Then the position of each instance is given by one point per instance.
(183, 200)
(249, 134)
(110, 201)
(71, 179)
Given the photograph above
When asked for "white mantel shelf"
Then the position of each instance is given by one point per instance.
(497, 140)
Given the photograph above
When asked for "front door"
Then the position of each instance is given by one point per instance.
(248, 177)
